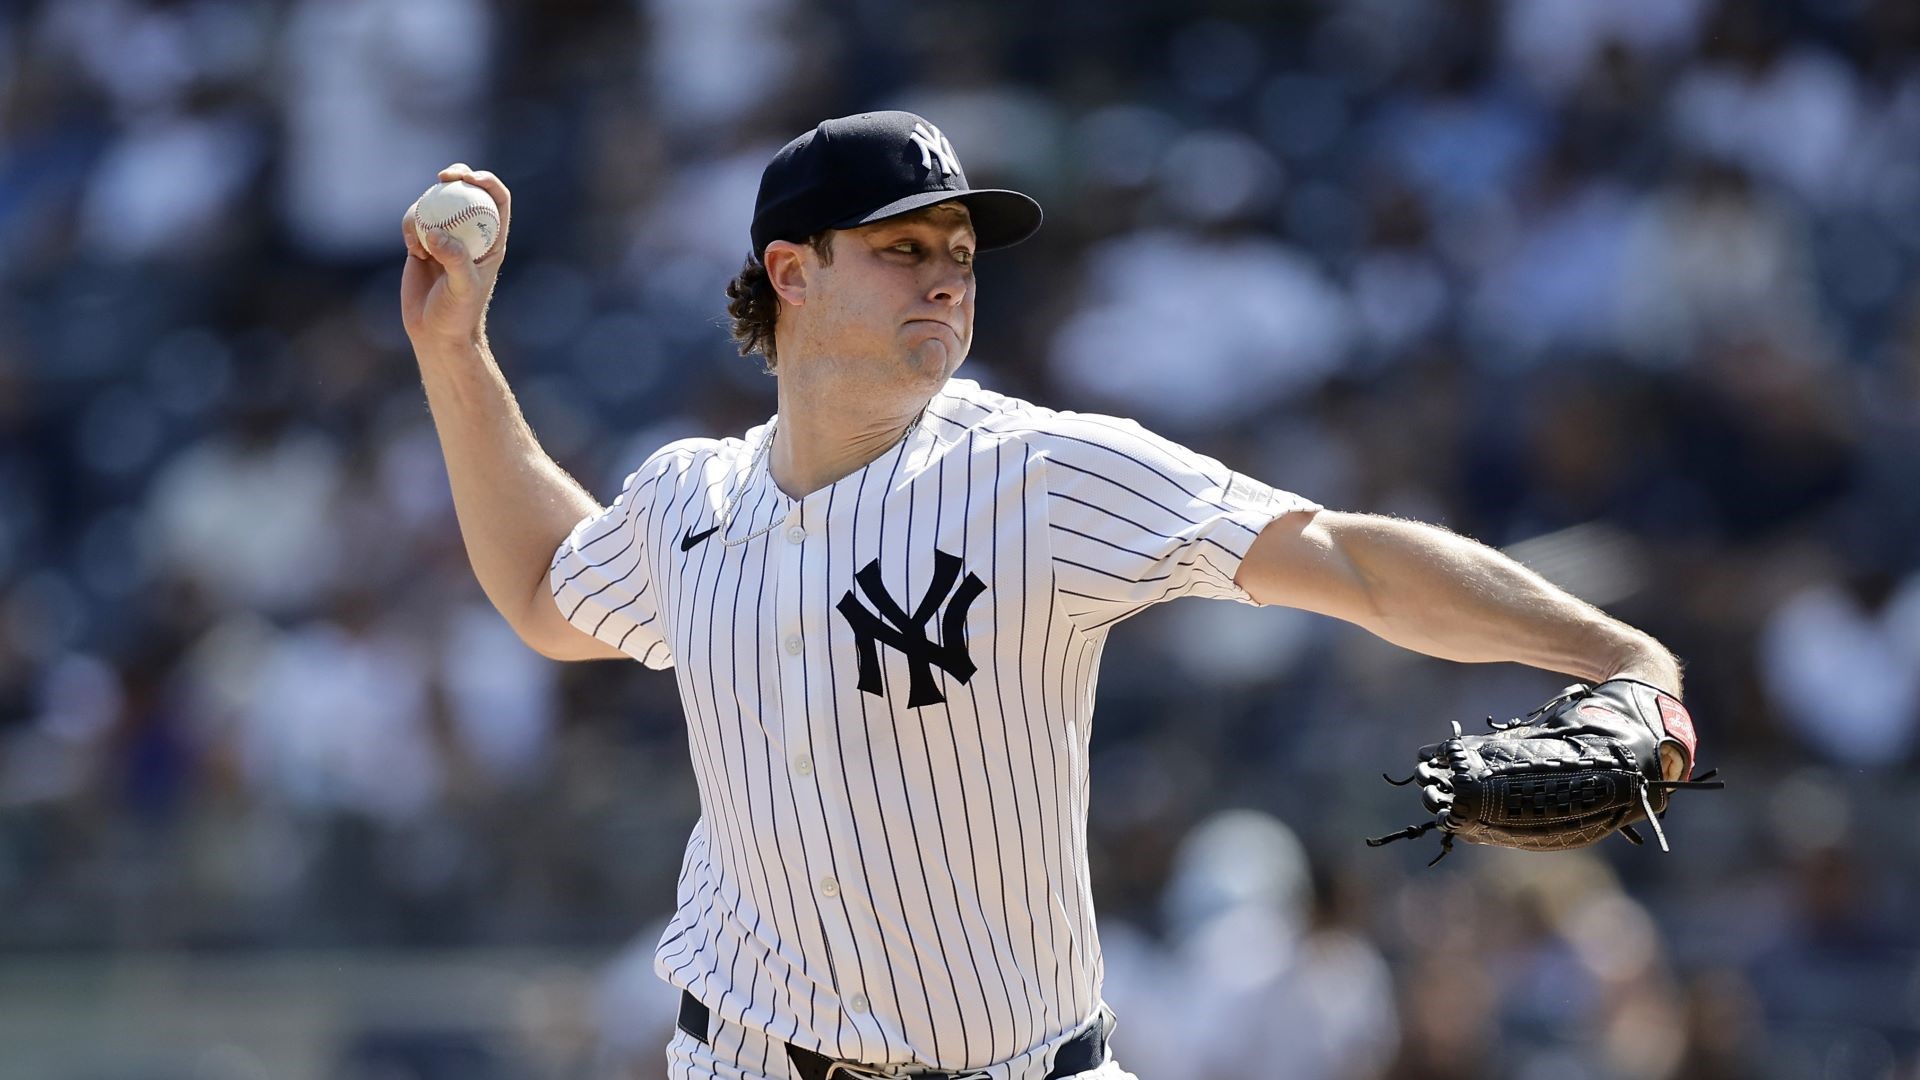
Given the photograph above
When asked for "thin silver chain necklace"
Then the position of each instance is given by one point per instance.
(725, 518)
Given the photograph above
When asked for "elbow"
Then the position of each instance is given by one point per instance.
(545, 646)
(1359, 593)
(536, 620)
(564, 643)
(1311, 560)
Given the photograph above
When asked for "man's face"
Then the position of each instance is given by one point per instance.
(899, 293)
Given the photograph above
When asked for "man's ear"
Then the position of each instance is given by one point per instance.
(789, 267)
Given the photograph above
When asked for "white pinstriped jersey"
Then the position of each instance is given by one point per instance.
(889, 686)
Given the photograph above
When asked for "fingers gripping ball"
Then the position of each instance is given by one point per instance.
(1581, 767)
(461, 209)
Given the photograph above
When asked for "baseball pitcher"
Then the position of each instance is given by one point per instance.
(885, 609)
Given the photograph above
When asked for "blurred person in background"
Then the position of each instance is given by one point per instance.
(1254, 958)
(375, 95)
(1539, 967)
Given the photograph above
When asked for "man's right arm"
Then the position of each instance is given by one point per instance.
(514, 503)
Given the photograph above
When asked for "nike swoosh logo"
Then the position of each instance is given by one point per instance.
(690, 539)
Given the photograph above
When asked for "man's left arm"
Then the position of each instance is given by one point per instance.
(1436, 592)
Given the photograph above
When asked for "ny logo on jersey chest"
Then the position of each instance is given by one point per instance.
(895, 629)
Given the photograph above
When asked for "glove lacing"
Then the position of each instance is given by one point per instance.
(1642, 788)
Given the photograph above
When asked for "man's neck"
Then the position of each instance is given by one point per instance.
(825, 433)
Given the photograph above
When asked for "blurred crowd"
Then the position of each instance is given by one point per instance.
(1625, 287)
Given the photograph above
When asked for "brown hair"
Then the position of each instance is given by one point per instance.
(755, 307)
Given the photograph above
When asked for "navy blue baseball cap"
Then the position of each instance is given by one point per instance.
(854, 170)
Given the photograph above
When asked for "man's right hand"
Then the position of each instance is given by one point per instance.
(444, 292)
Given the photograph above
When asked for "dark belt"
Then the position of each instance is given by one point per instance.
(1084, 1052)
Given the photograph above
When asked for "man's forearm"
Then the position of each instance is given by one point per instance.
(1430, 590)
(514, 503)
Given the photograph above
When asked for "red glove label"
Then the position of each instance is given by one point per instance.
(1674, 717)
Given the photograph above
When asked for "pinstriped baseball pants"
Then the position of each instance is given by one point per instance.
(732, 1052)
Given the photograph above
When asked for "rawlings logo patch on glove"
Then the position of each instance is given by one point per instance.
(1582, 766)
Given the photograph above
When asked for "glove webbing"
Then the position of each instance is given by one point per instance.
(1642, 788)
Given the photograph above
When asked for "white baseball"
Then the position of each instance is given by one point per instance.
(461, 209)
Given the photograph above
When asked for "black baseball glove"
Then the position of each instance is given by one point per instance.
(1574, 770)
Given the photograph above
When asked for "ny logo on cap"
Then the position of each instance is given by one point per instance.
(934, 147)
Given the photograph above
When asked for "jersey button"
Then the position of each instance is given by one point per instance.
(794, 645)
(803, 765)
(829, 887)
(796, 534)
(858, 1003)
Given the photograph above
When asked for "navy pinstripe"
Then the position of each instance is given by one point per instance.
(871, 880)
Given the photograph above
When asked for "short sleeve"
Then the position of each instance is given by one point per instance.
(1134, 519)
(602, 575)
